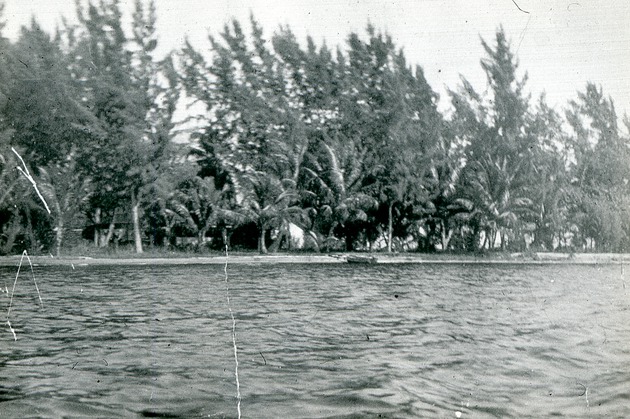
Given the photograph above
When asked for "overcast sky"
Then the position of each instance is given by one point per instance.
(561, 44)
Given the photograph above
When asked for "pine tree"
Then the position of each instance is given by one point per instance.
(600, 171)
(497, 180)
(134, 105)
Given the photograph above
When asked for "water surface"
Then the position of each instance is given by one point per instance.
(318, 341)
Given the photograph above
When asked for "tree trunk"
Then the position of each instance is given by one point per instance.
(58, 236)
(390, 227)
(485, 240)
(493, 238)
(97, 232)
(110, 231)
(201, 236)
(446, 238)
(110, 234)
(284, 236)
(30, 231)
(226, 238)
(262, 246)
(170, 238)
(167, 234)
(135, 217)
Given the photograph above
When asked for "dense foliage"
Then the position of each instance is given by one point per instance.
(298, 146)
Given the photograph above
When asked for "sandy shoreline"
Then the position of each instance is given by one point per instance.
(514, 258)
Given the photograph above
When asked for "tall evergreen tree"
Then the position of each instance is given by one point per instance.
(254, 135)
(500, 144)
(551, 189)
(49, 121)
(413, 125)
(133, 100)
(600, 171)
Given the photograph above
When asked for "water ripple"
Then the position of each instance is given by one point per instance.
(320, 342)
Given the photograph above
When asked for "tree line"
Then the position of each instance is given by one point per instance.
(347, 145)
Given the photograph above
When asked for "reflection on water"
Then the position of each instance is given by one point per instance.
(319, 341)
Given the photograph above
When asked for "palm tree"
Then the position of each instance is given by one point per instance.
(336, 174)
(272, 203)
(446, 208)
(199, 206)
(497, 192)
(65, 190)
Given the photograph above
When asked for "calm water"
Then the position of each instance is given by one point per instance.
(319, 341)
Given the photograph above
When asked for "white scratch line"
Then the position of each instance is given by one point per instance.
(586, 396)
(28, 176)
(17, 275)
(227, 293)
(523, 33)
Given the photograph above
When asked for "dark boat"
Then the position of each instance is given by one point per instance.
(361, 259)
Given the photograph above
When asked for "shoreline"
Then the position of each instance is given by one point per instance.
(446, 259)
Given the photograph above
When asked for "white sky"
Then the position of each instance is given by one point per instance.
(561, 44)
